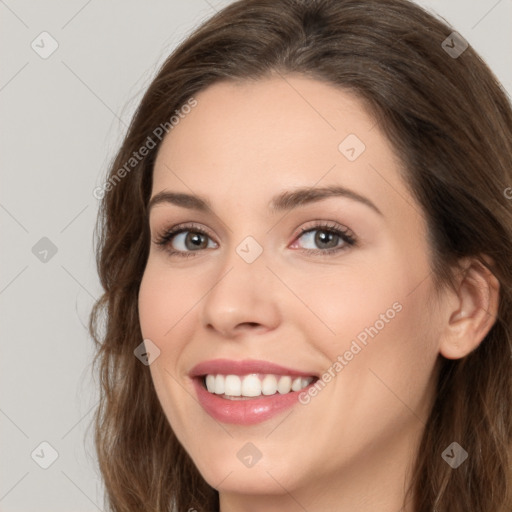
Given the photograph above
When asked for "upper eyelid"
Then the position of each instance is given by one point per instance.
(316, 223)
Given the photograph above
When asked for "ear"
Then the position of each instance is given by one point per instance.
(473, 309)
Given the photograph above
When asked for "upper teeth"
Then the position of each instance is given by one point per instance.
(254, 384)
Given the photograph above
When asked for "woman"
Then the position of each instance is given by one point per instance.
(269, 371)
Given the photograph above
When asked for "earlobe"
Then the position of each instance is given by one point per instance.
(474, 313)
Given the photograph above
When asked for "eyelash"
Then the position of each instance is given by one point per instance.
(164, 239)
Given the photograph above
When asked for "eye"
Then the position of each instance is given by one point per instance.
(183, 240)
(330, 238)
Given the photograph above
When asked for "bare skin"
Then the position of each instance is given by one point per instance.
(350, 448)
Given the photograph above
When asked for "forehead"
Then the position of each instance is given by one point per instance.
(302, 112)
(250, 139)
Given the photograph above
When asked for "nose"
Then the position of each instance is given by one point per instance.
(243, 299)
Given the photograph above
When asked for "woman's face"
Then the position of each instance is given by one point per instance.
(288, 283)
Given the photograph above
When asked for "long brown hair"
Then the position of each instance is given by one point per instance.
(451, 124)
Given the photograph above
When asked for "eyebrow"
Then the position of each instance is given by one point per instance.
(284, 201)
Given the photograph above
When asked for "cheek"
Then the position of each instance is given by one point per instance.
(163, 304)
(164, 301)
(393, 370)
(375, 318)
(346, 300)
(154, 301)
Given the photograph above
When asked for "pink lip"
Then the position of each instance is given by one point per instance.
(243, 412)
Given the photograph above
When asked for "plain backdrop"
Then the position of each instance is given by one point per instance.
(62, 118)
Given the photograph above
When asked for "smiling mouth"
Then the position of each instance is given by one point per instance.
(254, 385)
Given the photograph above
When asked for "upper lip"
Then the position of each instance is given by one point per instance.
(243, 367)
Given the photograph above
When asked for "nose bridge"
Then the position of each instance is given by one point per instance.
(244, 291)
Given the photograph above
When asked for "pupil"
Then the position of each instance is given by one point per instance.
(196, 239)
(324, 237)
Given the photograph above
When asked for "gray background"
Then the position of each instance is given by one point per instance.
(62, 119)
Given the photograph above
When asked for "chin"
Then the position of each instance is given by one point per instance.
(259, 479)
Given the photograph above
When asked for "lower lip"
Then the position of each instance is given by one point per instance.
(245, 412)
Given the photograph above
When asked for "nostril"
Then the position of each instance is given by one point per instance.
(248, 325)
